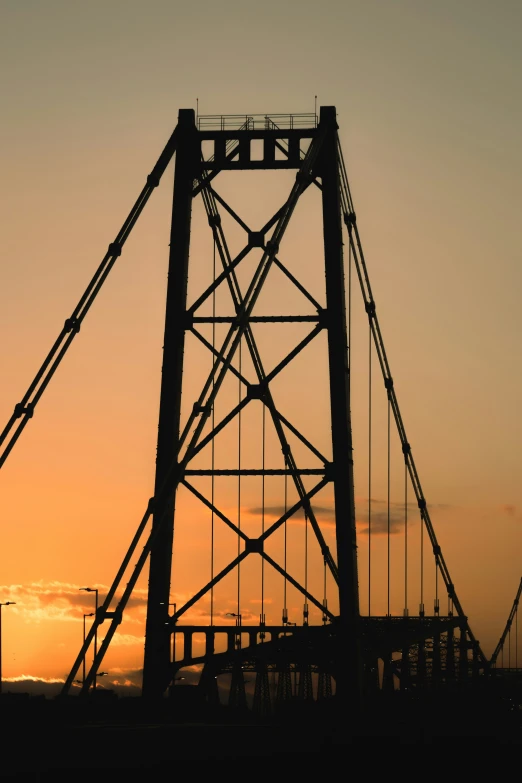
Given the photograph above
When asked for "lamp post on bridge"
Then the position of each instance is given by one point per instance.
(91, 614)
(162, 603)
(7, 603)
(238, 625)
(91, 590)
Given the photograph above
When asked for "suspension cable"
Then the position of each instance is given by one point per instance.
(362, 274)
(24, 410)
(369, 472)
(285, 533)
(325, 600)
(512, 615)
(421, 606)
(239, 491)
(349, 320)
(389, 460)
(305, 609)
(436, 607)
(263, 448)
(405, 538)
(212, 533)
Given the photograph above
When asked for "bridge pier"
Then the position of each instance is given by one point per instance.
(421, 664)
(387, 673)
(463, 655)
(405, 683)
(449, 674)
(237, 695)
(436, 661)
(262, 706)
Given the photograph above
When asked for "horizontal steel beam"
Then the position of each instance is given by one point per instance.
(271, 133)
(256, 319)
(256, 472)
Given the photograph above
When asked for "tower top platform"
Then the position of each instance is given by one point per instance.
(256, 121)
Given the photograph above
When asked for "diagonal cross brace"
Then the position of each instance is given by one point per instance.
(235, 292)
(304, 503)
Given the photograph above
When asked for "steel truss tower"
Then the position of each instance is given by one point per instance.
(194, 174)
(343, 648)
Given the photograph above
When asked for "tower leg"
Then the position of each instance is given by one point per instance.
(237, 696)
(262, 706)
(349, 664)
(208, 684)
(405, 669)
(157, 641)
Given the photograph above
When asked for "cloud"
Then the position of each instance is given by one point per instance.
(124, 682)
(125, 640)
(326, 514)
(379, 517)
(512, 511)
(323, 514)
(50, 687)
(63, 601)
(379, 524)
(52, 600)
(31, 678)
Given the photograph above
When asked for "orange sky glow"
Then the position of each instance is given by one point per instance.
(432, 149)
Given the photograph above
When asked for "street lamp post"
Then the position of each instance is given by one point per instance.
(173, 652)
(93, 590)
(7, 603)
(84, 616)
(238, 625)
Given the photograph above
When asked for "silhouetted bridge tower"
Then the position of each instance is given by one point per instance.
(224, 436)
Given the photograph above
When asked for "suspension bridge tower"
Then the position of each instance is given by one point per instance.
(204, 150)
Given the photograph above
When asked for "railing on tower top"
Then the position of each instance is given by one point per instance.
(255, 121)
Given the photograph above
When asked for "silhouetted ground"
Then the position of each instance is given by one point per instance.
(125, 739)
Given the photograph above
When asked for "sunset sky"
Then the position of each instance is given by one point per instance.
(430, 121)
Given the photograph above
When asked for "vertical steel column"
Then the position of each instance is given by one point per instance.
(157, 647)
(349, 665)
(450, 656)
